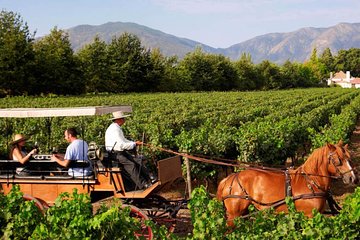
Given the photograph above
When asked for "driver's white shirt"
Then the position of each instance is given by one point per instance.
(115, 140)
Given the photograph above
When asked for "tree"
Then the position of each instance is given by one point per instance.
(348, 60)
(270, 74)
(296, 75)
(289, 75)
(327, 59)
(129, 64)
(318, 69)
(95, 67)
(248, 78)
(164, 72)
(57, 68)
(227, 77)
(207, 72)
(16, 54)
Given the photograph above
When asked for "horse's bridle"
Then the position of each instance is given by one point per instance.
(311, 182)
(331, 158)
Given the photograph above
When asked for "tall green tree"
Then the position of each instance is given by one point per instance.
(289, 73)
(193, 70)
(270, 74)
(327, 59)
(95, 67)
(207, 72)
(297, 75)
(318, 69)
(16, 54)
(57, 68)
(130, 64)
(164, 72)
(248, 78)
(348, 60)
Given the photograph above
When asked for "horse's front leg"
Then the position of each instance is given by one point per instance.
(235, 207)
(307, 205)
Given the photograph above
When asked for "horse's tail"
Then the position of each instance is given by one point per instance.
(219, 193)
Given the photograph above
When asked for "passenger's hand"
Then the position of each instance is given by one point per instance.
(56, 156)
(34, 151)
(53, 157)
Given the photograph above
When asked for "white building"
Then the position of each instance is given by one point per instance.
(344, 80)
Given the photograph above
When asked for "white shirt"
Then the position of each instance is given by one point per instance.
(115, 140)
(19, 169)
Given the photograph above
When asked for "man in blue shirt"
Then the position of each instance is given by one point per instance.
(77, 150)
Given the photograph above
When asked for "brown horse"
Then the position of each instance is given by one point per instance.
(308, 185)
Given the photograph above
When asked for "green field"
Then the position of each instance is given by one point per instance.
(263, 126)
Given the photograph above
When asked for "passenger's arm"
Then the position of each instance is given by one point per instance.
(60, 160)
(22, 159)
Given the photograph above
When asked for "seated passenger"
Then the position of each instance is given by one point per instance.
(18, 153)
(77, 150)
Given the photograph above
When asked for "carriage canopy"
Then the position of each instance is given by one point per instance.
(60, 112)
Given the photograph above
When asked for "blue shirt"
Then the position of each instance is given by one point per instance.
(77, 150)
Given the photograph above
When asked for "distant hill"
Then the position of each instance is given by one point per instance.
(150, 38)
(276, 47)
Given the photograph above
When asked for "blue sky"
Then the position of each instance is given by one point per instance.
(218, 23)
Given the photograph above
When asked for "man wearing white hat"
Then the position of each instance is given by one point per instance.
(116, 142)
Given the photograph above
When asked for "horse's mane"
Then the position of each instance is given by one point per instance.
(312, 162)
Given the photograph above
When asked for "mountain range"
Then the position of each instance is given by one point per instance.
(275, 47)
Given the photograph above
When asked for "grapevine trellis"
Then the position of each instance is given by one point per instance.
(256, 127)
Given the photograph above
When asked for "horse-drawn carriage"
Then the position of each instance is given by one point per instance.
(106, 181)
(308, 185)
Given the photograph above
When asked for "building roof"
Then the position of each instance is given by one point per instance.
(340, 75)
(355, 81)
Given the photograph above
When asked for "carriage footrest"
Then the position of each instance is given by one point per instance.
(29, 177)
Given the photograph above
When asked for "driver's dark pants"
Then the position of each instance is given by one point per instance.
(133, 168)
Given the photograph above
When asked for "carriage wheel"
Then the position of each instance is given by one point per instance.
(145, 231)
(161, 216)
(157, 209)
(39, 203)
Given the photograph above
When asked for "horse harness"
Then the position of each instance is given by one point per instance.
(334, 207)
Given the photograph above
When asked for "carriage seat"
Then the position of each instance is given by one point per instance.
(58, 177)
(90, 177)
(6, 175)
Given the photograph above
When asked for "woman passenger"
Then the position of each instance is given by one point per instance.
(18, 153)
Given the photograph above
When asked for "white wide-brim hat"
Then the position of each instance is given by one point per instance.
(119, 114)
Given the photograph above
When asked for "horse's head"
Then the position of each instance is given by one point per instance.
(339, 162)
